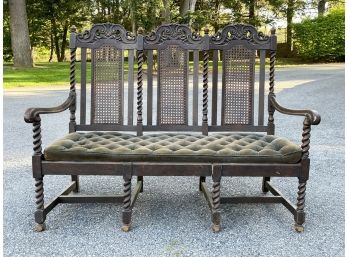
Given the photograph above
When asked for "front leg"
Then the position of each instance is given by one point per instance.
(127, 210)
(215, 212)
(300, 214)
(39, 213)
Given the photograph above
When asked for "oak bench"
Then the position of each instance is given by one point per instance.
(177, 123)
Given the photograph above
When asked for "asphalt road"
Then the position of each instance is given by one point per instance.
(171, 217)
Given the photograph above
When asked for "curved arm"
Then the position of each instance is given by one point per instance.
(33, 114)
(313, 116)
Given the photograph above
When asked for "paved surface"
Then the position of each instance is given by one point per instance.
(171, 217)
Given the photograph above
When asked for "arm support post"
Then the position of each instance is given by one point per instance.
(311, 118)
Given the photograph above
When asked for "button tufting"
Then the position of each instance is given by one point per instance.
(219, 147)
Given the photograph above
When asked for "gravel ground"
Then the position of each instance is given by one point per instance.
(171, 217)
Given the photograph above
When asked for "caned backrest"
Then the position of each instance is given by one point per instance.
(108, 45)
(175, 95)
(238, 45)
(171, 46)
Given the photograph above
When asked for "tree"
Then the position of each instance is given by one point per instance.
(321, 7)
(20, 40)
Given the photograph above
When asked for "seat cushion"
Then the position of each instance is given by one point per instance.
(222, 147)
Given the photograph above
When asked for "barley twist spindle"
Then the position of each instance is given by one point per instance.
(39, 196)
(301, 196)
(306, 138)
(72, 83)
(140, 58)
(216, 196)
(205, 87)
(37, 137)
(271, 86)
(127, 195)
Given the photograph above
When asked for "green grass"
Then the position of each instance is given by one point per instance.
(57, 74)
(43, 74)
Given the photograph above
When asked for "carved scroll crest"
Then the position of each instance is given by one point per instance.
(240, 32)
(106, 31)
(173, 32)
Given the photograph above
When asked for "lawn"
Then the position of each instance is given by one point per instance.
(57, 74)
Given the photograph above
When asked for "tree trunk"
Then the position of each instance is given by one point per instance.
(20, 41)
(62, 49)
(289, 16)
(116, 12)
(166, 11)
(51, 47)
(134, 30)
(55, 38)
(252, 20)
(187, 6)
(321, 7)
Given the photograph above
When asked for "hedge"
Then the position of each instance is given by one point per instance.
(322, 38)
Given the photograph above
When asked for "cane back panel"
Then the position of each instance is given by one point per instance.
(107, 85)
(173, 82)
(173, 43)
(238, 85)
(238, 44)
(108, 44)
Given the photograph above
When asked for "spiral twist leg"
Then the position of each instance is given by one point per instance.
(39, 213)
(300, 214)
(37, 137)
(72, 84)
(72, 108)
(306, 134)
(271, 71)
(216, 216)
(205, 93)
(140, 57)
(271, 91)
(127, 211)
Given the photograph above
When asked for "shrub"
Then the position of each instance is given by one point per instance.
(322, 38)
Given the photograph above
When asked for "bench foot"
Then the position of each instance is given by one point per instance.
(40, 227)
(216, 219)
(125, 228)
(216, 228)
(299, 228)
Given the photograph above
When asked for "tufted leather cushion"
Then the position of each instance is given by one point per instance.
(223, 147)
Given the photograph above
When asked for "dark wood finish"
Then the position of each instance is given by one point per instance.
(56, 200)
(83, 86)
(262, 88)
(195, 88)
(215, 87)
(130, 86)
(149, 86)
(261, 169)
(172, 42)
(90, 199)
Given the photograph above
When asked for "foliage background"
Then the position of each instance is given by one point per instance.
(322, 38)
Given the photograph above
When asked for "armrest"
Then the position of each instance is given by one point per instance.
(32, 114)
(314, 117)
